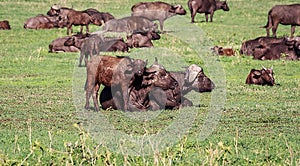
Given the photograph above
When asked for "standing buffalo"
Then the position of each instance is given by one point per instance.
(157, 11)
(130, 25)
(4, 25)
(115, 72)
(285, 15)
(74, 17)
(261, 77)
(144, 93)
(207, 7)
(98, 18)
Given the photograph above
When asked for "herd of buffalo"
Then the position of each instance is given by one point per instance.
(129, 84)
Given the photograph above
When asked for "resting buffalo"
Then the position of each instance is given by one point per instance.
(157, 11)
(68, 43)
(74, 17)
(206, 7)
(142, 39)
(223, 51)
(45, 22)
(261, 77)
(193, 79)
(143, 91)
(248, 46)
(271, 48)
(130, 25)
(4, 25)
(285, 15)
(115, 72)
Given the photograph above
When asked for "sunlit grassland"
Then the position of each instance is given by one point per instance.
(259, 125)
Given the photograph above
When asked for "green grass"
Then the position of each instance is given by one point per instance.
(42, 97)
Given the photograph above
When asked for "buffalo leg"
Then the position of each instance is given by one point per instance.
(274, 28)
(193, 14)
(206, 17)
(95, 97)
(292, 30)
(161, 24)
(211, 16)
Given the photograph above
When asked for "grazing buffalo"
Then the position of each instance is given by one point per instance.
(223, 51)
(157, 11)
(115, 72)
(207, 7)
(98, 18)
(74, 17)
(142, 39)
(261, 77)
(95, 44)
(4, 25)
(143, 91)
(285, 15)
(130, 25)
(45, 22)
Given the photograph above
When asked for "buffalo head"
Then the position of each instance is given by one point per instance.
(261, 77)
(197, 80)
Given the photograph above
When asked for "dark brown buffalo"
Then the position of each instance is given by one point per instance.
(248, 46)
(207, 7)
(193, 79)
(45, 22)
(143, 91)
(223, 51)
(287, 49)
(98, 18)
(74, 17)
(68, 43)
(95, 44)
(285, 15)
(138, 40)
(4, 25)
(261, 77)
(157, 11)
(115, 72)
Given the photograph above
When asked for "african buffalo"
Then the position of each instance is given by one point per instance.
(74, 17)
(157, 11)
(115, 72)
(142, 39)
(207, 7)
(68, 43)
(271, 48)
(95, 44)
(261, 77)
(285, 15)
(45, 22)
(130, 25)
(143, 90)
(223, 51)
(248, 46)
(4, 25)
(98, 18)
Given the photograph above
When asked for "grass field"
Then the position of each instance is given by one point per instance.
(42, 97)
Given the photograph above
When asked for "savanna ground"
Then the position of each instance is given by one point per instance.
(40, 117)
